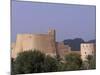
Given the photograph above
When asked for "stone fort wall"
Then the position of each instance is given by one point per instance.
(42, 42)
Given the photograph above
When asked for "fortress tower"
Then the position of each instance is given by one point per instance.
(52, 37)
(52, 34)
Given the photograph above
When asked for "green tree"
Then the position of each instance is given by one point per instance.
(73, 61)
(12, 67)
(90, 63)
(34, 62)
(62, 66)
(29, 62)
(50, 64)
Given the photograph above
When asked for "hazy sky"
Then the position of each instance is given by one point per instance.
(70, 21)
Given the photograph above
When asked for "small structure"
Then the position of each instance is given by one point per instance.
(87, 49)
(63, 49)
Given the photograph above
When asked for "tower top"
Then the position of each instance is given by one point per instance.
(51, 30)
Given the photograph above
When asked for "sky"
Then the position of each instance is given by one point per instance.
(70, 21)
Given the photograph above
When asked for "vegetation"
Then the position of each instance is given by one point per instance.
(90, 63)
(37, 62)
(73, 61)
(34, 62)
(12, 67)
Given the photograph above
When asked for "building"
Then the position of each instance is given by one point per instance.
(45, 43)
(87, 49)
(62, 49)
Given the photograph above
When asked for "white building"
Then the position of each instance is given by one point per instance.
(87, 49)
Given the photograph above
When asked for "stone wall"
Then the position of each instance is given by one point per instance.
(42, 42)
(63, 49)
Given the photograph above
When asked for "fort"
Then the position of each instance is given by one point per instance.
(47, 44)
